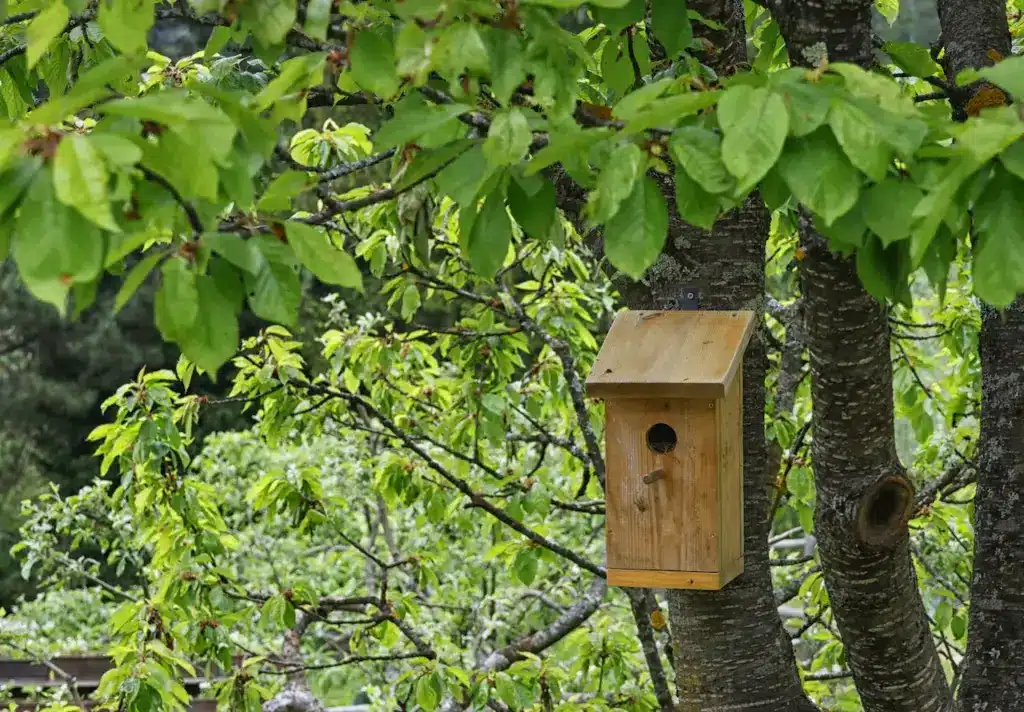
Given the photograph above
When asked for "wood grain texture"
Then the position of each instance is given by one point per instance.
(674, 354)
(696, 580)
(671, 524)
(730, 474)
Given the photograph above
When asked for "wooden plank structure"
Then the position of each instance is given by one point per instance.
(18, 677)
(673, 392)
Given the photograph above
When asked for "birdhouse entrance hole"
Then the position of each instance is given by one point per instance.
(661, 438)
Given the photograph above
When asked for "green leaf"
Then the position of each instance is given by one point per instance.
(565, 145)
(889, 9)
(14, 181)
(623, 167)
(294, 75)
(282, 190)
(819, 175)
(930, 211)
(699, 152)
(429, 690)
(882, 270)
(410, 301)
(912, 58)
(80, 180)
(671, 25)
(126, 23)
(635, 235)
(220, 36)
(54, 66)
(999, 258)
(958, 626)
(177, 301)
(755, 123)
(525, 566)
(985, 137)
(490, 236)
(372, 58)
(694, 204)
(93, 85)
(774, 190)
(618, 18)
(117, 150)
(10, 140)
(268, 20)
(52, 248)
(847, 231)
(668, 111)
(1008, 74)
(943, 613)
(617, 68)
(135, 278)
(889, 208)
(275, 291)
(463, 179)
(508, 63)
(318, 18)
(213, 337)
(429, 161)
(509, 137)
(807, 104)
(44, 29)
(329, 263)
(228, 281)
(860, 138)
(241, 253)
(535, 213)
(6, 230)
(1012, 158)
(414, 118)
(203, 126)
(639, 99)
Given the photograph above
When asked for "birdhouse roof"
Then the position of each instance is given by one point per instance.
(673, 354)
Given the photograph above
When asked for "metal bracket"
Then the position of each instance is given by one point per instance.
(689, 299)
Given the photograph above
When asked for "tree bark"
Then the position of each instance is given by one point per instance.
(993, 676)
(970, 28)
(731, 651)
(864, 498)
(993, 673)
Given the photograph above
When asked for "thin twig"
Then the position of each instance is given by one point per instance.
(190, 211)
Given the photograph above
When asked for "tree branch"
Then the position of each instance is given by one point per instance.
(190, 211)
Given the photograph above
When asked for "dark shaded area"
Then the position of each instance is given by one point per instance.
(54, 376)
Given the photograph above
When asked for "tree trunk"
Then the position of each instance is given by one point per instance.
(992, 674)
(864, 498)
(970, 28)
(731, 651)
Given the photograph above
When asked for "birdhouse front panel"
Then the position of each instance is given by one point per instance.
(661, 502)
(673, 390)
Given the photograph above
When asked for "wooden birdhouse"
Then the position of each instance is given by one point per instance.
(673, 391)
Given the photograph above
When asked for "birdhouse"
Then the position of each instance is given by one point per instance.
(673, 391)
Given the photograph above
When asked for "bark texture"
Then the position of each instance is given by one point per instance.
(843, 27)
(970, 28)
(864, 498)
(993, 676)
(731, 652)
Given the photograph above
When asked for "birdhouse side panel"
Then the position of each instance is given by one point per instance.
(662, 499)
(730, 474)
